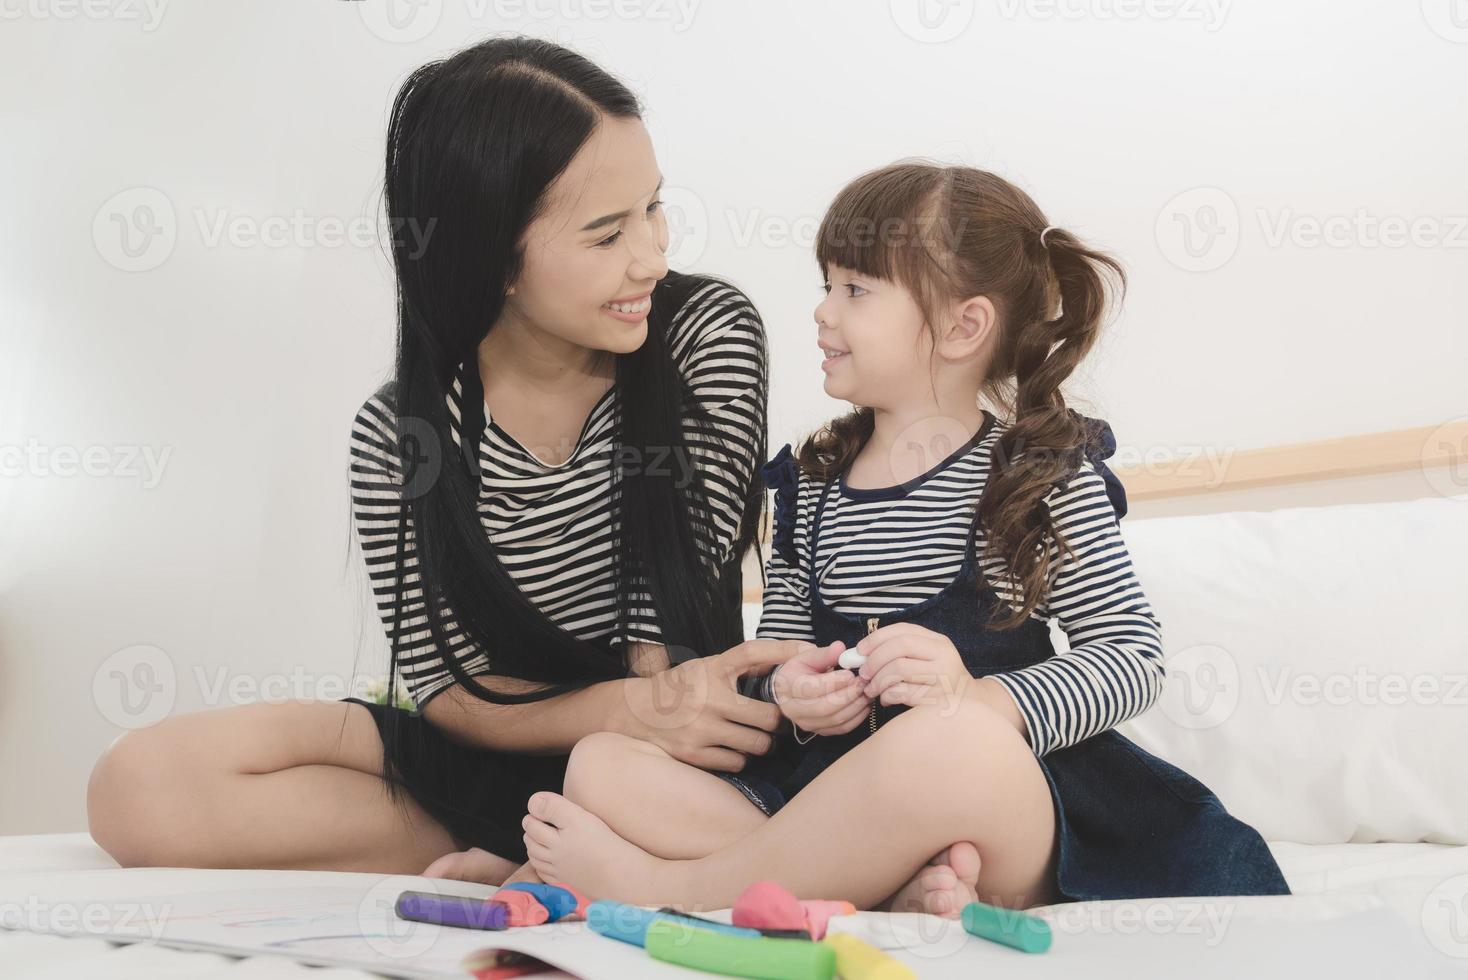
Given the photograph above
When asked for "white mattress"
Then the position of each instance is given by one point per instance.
(1409, 883)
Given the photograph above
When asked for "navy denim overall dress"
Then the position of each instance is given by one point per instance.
(1129, 824)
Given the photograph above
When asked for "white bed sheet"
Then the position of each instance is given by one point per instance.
(1417, 883)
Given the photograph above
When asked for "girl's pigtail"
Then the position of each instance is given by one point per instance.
(1047, 441)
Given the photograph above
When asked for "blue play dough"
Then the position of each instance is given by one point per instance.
(558, 902)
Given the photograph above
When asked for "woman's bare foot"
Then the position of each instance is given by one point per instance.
(526, 872)
(948, 883)
(571, 845)
(475, 864)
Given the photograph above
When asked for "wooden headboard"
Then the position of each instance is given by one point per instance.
(1301, 462)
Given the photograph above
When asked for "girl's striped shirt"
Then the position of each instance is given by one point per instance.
(886, 549)
(551, 524)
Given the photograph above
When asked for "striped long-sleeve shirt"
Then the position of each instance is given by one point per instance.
(551, 524)
(885, 549)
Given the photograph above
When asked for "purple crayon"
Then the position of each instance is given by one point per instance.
(452, 910)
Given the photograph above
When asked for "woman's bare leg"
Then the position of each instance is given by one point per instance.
(820, 845)
(282, 785)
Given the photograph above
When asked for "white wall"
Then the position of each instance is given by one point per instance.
(245, 362)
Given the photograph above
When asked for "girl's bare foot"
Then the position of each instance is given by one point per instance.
(948, 883)
(571, 845)
(475, 864)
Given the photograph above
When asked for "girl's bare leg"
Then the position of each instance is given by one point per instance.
(676, 811)
(820, 845)
(282, 785)
(664, 806)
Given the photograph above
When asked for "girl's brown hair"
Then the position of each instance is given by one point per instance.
(947, 233)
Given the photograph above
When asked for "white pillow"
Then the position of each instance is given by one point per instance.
(1317, 665)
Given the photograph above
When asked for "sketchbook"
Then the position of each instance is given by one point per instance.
(347, 920)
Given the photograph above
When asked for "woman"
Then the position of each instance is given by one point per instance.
(567, 469)
(525, 324)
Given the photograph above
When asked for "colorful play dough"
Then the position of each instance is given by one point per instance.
(819, 911)
(768, 905)
(857, 960)
(1011, 927)
(559, 901)
(523, 908)
(768, 959)
(629, 923)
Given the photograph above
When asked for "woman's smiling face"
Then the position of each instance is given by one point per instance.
(873, 335)
(594, 255)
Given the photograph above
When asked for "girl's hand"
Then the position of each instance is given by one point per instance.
(910, 665)
(818, 699)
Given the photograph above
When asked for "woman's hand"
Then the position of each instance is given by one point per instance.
(695, 713)
(818, 699)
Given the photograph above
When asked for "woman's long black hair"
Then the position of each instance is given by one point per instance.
(473, 143)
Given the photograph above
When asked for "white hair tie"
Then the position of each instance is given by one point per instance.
(1045, 231)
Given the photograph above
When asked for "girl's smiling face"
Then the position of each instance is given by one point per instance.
(878, 348)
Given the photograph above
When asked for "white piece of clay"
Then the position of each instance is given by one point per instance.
(851, 660)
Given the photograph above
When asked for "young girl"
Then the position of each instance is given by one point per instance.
(935, 540)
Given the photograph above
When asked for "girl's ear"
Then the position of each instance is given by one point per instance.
(973, 323)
